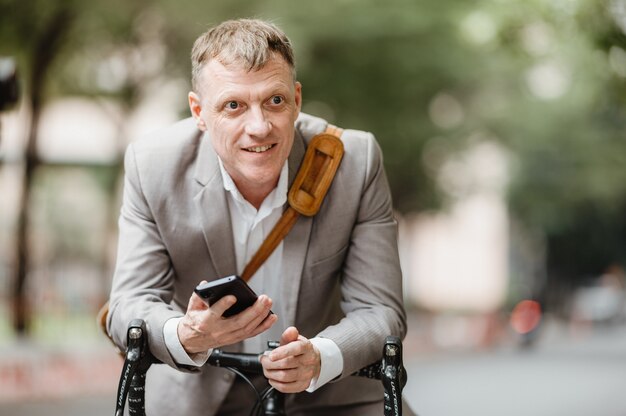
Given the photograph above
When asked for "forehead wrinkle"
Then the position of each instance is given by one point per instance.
(218, 73)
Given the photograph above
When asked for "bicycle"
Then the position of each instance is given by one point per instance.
(270, 402)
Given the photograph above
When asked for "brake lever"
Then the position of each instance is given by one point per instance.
(133, 379)
(393, 375)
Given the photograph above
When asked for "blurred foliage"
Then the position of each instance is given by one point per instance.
(545, 78)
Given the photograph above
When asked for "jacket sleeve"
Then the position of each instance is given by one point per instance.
(143, 281)
(371, 278)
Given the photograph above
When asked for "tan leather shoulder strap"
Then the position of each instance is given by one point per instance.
(333, 131)
(316, 173)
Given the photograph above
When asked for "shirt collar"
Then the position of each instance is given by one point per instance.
(275, 199)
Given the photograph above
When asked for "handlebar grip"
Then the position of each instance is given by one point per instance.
(136, 395)
(244, 362)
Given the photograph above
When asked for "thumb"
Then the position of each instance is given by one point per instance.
(196, 303)
(289, 335)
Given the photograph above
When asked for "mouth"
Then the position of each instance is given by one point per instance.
(259, 149)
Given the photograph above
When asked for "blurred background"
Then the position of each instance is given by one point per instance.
(502, 125)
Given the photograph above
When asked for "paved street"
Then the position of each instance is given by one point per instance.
(92, 406)
(562, 375)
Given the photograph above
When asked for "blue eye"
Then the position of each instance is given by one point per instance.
(233, 105)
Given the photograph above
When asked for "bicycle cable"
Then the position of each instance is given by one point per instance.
(259, 400)
(258, 408)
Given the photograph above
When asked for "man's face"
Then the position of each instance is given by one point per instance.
(250, 117)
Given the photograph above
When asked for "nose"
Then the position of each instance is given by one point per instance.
(257, 124)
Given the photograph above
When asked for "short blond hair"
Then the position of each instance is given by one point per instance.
(247, 42)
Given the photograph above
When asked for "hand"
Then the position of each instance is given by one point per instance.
(203, 326)
(291, 367)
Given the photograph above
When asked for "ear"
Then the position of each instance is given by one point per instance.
(298, 96)
(196, 110)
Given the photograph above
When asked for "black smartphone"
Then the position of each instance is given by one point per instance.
(214, 290)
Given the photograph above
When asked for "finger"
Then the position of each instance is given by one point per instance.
(266, 324)
(294, 387)
(253, 316)
(196, 303)
(289, 335)
(223, 304)
(288, 363)
(293, 380)
(262, 306)
(292, 349)
(282, 376)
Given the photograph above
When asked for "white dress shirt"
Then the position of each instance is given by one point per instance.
(250, 228)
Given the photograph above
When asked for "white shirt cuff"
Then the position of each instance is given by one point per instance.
(331, 362)
(175, 348)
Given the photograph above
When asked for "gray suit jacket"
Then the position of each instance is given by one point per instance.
(342, 275)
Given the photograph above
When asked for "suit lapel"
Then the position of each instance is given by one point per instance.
(213, 211)
(296, 243)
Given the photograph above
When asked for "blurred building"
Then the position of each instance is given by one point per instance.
(456, 261)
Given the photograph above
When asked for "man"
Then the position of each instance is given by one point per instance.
(199, 199)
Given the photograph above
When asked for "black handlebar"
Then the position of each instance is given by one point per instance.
(138, 359)
(241, 361)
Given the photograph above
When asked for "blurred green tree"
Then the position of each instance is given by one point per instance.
(34, 32)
